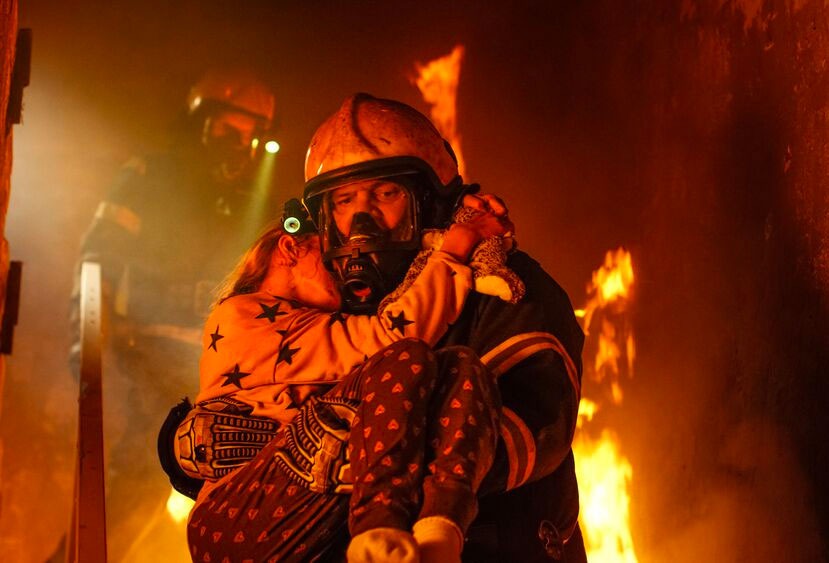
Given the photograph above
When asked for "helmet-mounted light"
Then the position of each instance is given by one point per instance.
(232, 89)
(295, 220)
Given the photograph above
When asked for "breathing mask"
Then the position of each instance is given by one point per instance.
(228, 157)
(370, 233)
(373, 139)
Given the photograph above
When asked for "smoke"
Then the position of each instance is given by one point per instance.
(754, 505)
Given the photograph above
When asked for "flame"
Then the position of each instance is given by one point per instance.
(607, 357)
(610, 284)
(178, 506)
(587, 409)
(437, 81)
(607, 360)
(630, 348)
(609, 291)
(604, 474)
(615, 277)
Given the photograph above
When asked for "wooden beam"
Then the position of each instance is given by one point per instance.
(87, 541)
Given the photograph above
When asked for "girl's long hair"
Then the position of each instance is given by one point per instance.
(252, 268)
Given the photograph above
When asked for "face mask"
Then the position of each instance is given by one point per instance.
(367, 266)
(229, 159)
(370, 261)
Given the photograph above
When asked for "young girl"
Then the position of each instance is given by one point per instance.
(420, 427)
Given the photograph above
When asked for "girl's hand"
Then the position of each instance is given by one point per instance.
(486, 202)
(461, 238)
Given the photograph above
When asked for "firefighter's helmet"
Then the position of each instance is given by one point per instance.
(367, 129)
(233, 111)
(235, 90)
(370, 139)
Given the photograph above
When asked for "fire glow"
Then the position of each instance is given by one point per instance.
(604, 474)
(178, 506)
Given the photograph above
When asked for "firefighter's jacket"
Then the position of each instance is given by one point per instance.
(271, 353)
(534, 348)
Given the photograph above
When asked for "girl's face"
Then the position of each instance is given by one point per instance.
(314, 285)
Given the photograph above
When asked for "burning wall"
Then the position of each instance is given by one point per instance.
(694, 134)
(725, 103)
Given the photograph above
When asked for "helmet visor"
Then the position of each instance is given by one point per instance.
(372, 215)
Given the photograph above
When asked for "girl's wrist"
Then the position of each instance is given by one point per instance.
(459, 241)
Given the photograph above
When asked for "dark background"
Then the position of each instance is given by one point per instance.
(694, 133)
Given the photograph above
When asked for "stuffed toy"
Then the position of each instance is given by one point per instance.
(490, 273)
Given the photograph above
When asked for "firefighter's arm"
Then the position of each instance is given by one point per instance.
(107, 241)
(538, 366)
(540, 403)
(117, 222)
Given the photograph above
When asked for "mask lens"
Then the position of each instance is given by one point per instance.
(365, 212)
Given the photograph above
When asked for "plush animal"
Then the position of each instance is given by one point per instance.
(490, 273)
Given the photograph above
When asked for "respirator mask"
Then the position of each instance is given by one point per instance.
(370, 217)
(370, 234)
(230, 152)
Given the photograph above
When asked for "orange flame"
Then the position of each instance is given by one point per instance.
(587, 409)
(437, 81)
(604, 474)
(611, 284)
(610, 291)
(607, 359)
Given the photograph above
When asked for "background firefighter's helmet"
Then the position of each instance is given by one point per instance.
(234, 90)
(233, 110)
(370, 138)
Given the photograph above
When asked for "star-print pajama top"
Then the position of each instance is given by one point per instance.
(272, 353)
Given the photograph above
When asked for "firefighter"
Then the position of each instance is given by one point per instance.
(529, 502)
(167, 232)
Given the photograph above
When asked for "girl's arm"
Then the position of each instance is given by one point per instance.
(256, 345)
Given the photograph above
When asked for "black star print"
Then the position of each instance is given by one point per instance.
(399, 322)
(294, 303)
(270, 312)
(336, 317)
(234, 377)
(215, 337)
(282, 333)
(286, 353)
